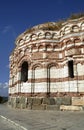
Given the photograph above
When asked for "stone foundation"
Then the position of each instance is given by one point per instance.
(41, 103)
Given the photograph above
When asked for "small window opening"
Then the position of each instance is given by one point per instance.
(70, 69)
(24, 72)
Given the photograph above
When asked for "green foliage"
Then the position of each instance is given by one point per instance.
(59, 24)
(75, 16)
(29, 30)
(1, 99)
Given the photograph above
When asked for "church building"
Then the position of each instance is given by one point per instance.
(47, 66)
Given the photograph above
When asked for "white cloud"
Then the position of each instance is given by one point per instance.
(5, 85)
(4, 89)
(9, 29)
(6, 29)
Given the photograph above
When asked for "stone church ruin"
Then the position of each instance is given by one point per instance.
(47, 66)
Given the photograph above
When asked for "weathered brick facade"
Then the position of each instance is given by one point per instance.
(48, 64)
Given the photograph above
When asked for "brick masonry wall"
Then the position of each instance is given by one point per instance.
(47, 53)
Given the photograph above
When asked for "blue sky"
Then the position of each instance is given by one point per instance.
(18, 15)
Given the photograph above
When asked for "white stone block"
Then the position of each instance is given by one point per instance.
(26, 88)
(60, 55)
(78, 43)
(40, 87)
(29, 74)
(80, 69)
(78, 101)
(70, 108)
(40, 73)
(19, 76)
(81, 87)
(56, 87)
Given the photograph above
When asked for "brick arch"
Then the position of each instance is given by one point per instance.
(82, 26)
(41, 35)
(27, 37)
(35, 65)
(48, 35)
(21, 41)
(76, 40)
(56, 47)
(61, 33)
(19, 68)
(67, 30)
(23, 59)
(27, 50)
(68, 42)
(41, 47)
(34, 36)
(34, 48)
(51, 65)
(49, 47)
(75, 28)
(54, 35)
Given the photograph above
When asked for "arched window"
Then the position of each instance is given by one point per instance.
(70, 69)
(24, 72)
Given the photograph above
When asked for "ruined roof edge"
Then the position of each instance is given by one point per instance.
(56, 26)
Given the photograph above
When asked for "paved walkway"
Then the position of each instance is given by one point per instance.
(43, 120)
(4, 125)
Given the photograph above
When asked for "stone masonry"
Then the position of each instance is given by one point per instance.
(47, 66)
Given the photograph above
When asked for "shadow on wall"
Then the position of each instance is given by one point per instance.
(3, 100)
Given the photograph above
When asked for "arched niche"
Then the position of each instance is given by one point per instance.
(52, 75)
(21, 41)
(75, 28)
(55, 47)
(34, 37)
(41, 35)
(77, 40)
(27, 38)
(37, 74)
(48, 35)
(41, 48)
(49, 47)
